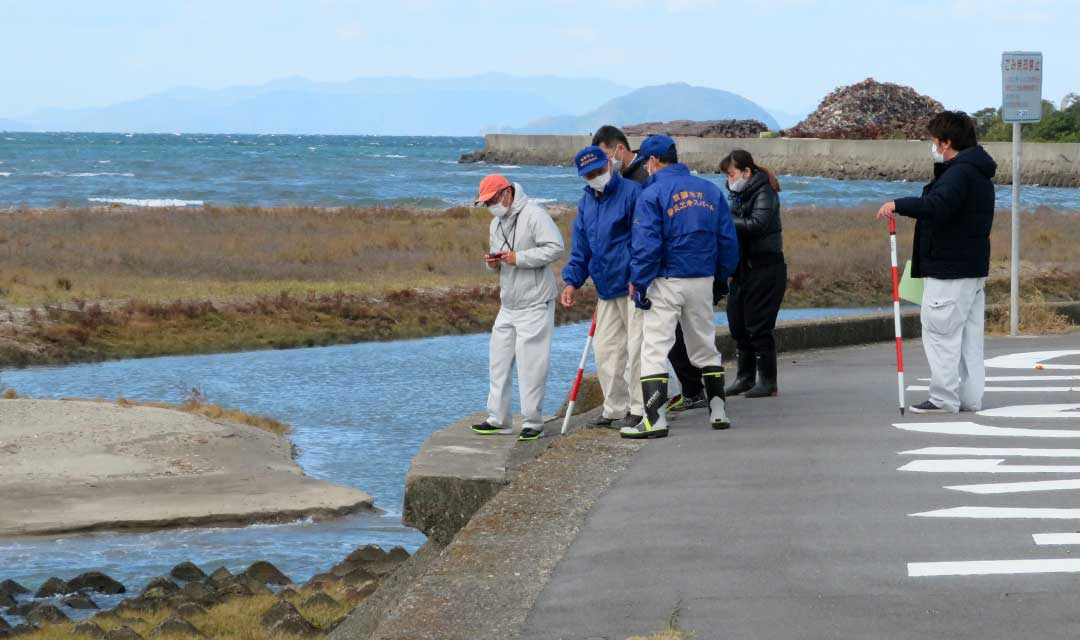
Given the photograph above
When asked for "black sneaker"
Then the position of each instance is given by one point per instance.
(486, 428)
(691, 402)
(927, 407)
(601, 423)
(530, 434)
(630, 420)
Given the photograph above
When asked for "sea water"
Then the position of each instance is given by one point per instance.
(93, 169)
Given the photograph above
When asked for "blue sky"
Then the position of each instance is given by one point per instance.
(783, 54)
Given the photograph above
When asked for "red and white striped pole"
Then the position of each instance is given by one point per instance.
(580, 373)
(896, 314)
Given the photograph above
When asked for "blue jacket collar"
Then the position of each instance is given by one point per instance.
(669, 172)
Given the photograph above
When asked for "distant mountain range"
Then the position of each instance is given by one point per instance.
(375, 106)
(401, 106)
(662, 103)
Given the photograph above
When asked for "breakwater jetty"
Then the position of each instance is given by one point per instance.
(1043, 163)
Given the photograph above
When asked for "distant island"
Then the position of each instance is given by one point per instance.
(676, 101)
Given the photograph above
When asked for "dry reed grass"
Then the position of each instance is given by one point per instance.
(86, 284)
(198, 404)
(1036, 318)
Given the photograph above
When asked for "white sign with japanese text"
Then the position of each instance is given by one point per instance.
(1021, 86)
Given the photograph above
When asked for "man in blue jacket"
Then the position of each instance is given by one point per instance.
(600, 249)
(683, 237)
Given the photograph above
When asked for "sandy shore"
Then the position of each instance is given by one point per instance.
(69, 466)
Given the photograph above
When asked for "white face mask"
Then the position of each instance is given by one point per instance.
(738, 185)
(498, 210)
(599, 182)
(936, 154)
(616, 164)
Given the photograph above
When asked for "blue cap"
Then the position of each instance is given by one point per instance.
(590, 159)
(656, 146)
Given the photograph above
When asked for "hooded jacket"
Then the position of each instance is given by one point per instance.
(953, 218)
(682, 229)
(529, 231)
(756, 211)
(600, 247)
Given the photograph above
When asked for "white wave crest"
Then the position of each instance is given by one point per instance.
(104, 173)
(149, 202)
(507, 166)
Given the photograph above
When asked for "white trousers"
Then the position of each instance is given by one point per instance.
(686, 301)
(953, 314)
(522, 336)
(618, 355)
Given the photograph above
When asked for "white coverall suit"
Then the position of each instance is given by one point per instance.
(526, 320)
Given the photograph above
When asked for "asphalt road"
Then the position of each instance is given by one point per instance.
(799, 523)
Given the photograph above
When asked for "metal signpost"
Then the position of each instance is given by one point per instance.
(1021, 101)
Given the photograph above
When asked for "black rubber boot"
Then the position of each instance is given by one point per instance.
(744, 380)
(654, 423)
(766, 376)
(714, 390)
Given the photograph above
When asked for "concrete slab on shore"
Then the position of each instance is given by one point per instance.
(71, 466)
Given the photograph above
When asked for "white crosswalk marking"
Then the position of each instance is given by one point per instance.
(993, 567)
(991, 451)
(975, 429)
(916, 387)
(1003, 513)
(1018, 487)
(1056, 538)
(1030, 360)
(985, 465)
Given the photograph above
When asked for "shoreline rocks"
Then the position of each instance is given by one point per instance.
(188, 601)
(699, 128)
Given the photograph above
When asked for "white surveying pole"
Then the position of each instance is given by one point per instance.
(1021, 101)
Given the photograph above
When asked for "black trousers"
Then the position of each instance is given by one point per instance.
(689, 376)
(753, 304)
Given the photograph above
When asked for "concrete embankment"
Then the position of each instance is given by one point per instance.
(69, 466)
(1046, 164)
(500, 514)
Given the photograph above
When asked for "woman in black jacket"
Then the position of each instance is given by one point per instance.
(760, 280)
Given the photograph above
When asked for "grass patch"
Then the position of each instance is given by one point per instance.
(1036, 318)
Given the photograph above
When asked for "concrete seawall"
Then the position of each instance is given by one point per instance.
(1046, 164)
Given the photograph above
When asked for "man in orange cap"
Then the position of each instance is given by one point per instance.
(524, 241)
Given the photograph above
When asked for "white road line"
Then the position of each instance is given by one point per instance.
(1002, 513)
(993, 567)
(989, 451)
(1020, 378)
(986, 465)
(1018, 487)
(976, 429)
(1012, 389)
(1056, 538)
(1029, 360)
(1034, 411)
